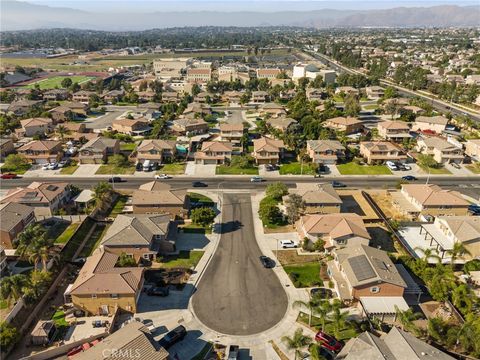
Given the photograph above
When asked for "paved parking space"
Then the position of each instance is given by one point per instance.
(462, 171)
(200, 169)
(103, 121)
(86, 170)
(263, 172)
(36, 171)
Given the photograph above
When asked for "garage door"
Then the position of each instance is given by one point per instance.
(42, 161)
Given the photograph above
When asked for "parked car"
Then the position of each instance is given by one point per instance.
(256, 179)
(391, 165)
(8, 176)
(52, 166)
(115, 179)
(288, 244)
(328, 341)
(323, 169)
(199, 184)
(173, 337)
(158, 291)
(267, 262)
(162, 176)
(474, 209)
(147, 166)
(233, 352)
(409, 178)
(138, 166)
(338, 184)
(45, 166)
(147, 322)
(323, 293)
(455, 165)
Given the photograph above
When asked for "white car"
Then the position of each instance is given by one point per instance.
(52, 166)
(256, 179)
(391, 165)
(162, 176)
(288, 244)
(45, 167)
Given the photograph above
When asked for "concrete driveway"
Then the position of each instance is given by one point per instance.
(103, 121)
(237, 295)
(86, 170)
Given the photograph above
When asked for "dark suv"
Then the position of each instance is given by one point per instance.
(172, 337)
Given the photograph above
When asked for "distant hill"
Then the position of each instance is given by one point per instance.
(16, 15)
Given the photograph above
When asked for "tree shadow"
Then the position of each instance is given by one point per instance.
(230, 226)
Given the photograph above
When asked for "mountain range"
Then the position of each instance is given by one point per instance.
(17, 15)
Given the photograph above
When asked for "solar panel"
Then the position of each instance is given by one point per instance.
(361, 267)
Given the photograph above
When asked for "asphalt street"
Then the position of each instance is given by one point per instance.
(237, 295)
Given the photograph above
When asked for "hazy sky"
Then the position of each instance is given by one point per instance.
(235, 5)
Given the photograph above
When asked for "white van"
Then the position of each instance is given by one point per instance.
(391, 165)
(146, 165)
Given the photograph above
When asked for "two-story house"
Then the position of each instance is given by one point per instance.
(83, 96)
(377, 152)
(6, 147)
(325, 151)
(189, 126)
(156, 150)
(348, 125)
(472, 148)
(317, 198)
(436, 124)
(272, 110)
(42, 151)
(315, 94)
(375, 92)
(232, 133)
(281, 123)
(15, 218)
(56, 95)
(214, 152)
(35, 126)
(259, 96)
(268, 151)
(442, 151)
(394, 130)
(131, 126)
(97, 150)
(101, 288)
(156, 197)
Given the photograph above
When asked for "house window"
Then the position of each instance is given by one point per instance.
(374, 289)
(146, 256)
(114, 296)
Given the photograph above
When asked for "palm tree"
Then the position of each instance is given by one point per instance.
(297, 342)
(310, 305)
(102, 194)
(429, 254)
(62, 131)
(27, 237)
(315, 354)
(458, 251)
(11, 287)
(407, 318)
(338, 317)
(322, 310)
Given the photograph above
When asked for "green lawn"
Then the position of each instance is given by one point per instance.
(173, 169)
(118, 206)
(57, 229)
(337, 98)
(352, 168)
(346, 333)
(68, 170)
(475, 168)
(17, 170)
(59, 318)
(77, 239)
(128, 146)
(295, 168)
(197, 229)
(3, 304)
(233, 170)
(185, 259)
(304, 275)
(94, 240)
(56, 81)
(67, 234)
(440, 170)
(115, 170)
(199, 198)
(370, 107)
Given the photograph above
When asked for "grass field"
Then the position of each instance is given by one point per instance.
(173, 169)
(295, 168)
(68, 170)
(475, 168)
(435, 171)
(199, 198)
(356, 169)
(67, 234)
(117, 208)
(304, 275)
(56, 81)
(185, 259)
(232, 170)
(115, 170)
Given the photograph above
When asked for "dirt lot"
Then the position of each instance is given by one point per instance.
(383, 199)
(354, 202)
(291, 257)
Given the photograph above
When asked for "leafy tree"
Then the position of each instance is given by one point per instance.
(241, 162)
(40, 250)
(437, 329)
(11, 287)
(118, 160)
(8, 335)
(27, 238)
(297, 341)
(15, 162)
(427, 161)
(276, 190)
(126, 261)
(203, 216)
(268, 211)
(319, 245)
(352, 105)
(38, 285)
(407, 318)
(390, 92)
(66, 83)
(294, 206)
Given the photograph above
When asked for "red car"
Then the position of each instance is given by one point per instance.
(9, 176)
(328, 342)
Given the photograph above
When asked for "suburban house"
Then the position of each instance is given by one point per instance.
(280, 123)
(268, 151)
(394, 130)
(272, 109)
(42, 151)
(56, 95)
(189, 126)
(259, 96)
(196, 108)
(347, 90)
(156, 150)
(349, 125)
(203, 97)
(325, 151)
(46, 198)
(35, 126)
(140, 236)
(83, 96)
(101, 288)
(77, 107)
(97, 150)
(314, 94)
(214, 152)
(472, 148)
(413, 109)
(6, 147)
(375, 152)
(156, 197)
(134, 339)
(362, 271)
(113, 95)
(232, 133)
(61, 113)
(435, 124)
(430, 199)
(15, 218)
(199, 75)
(396, 344)
(336, 229)
(269, 74)
(374, 92)
(318, 198)
(170, 96)
(442, 151)
(131, 126)
(233, 97)
(21, 107)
